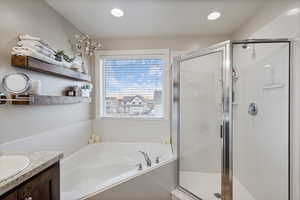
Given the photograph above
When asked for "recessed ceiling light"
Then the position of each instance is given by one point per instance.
(293, 11)
(117, 12)
(214, 16)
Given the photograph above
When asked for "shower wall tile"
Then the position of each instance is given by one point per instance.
(273, 22)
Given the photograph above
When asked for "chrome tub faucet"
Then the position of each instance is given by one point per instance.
(147, 159)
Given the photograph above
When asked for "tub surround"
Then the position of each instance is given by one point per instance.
(39, 161)
(157, 184)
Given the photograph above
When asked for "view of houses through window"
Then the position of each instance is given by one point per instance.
(133, 87)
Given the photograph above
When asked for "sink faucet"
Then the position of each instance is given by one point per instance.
(147, 159)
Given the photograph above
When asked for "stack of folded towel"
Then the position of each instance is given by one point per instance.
(35, 47)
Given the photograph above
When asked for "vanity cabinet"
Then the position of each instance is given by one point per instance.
(43, 186)
(11, 196)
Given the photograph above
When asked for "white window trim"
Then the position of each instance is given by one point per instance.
(153, 53)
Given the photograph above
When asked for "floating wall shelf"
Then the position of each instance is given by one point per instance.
(48, 100)
(33, 64)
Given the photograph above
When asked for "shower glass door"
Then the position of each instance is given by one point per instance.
(201, 113)
(261, 121)
(233, 120)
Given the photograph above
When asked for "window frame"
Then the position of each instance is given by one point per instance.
(163, 54)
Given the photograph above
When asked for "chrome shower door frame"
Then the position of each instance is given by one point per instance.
(226, 172)
(227, 126)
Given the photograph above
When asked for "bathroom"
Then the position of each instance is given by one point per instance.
(149, 100)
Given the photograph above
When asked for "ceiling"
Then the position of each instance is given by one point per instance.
(155, 17)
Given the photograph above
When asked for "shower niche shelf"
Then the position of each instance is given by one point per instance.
(274, 86)
(33, 64)
(47, 100)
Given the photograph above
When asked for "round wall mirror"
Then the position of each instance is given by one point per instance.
(16, 83)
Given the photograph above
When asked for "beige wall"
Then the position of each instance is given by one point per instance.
(130, 130)
(272, 22)
(36, 18)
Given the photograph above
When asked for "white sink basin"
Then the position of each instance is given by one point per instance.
(11, 165)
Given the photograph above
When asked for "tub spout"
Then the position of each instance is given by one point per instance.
(147, 159)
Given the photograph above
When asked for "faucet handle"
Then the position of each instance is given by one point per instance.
(147, 159)
(157, 160)
(140, 166)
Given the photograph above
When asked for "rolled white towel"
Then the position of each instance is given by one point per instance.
(31, 43)
(31, 38)
(40, 50)
(37, 49)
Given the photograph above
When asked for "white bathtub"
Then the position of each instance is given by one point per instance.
(98, 167)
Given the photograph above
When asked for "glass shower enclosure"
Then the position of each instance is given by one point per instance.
(231, 114)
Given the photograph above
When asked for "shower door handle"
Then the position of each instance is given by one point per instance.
(221, 129)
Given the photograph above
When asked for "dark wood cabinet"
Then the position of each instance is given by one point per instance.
(10, 196)
(43, 186)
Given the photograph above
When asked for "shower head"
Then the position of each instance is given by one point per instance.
(245, 46)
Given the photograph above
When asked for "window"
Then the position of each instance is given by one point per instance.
(133, 86)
